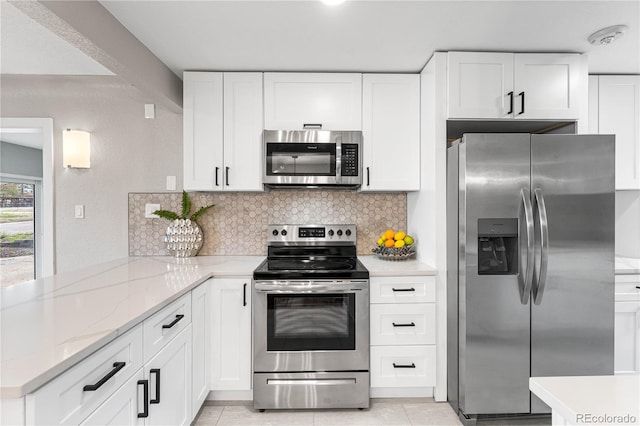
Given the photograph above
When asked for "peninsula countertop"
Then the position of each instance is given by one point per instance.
(50, 324)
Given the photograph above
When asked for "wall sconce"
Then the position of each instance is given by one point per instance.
(76, 149)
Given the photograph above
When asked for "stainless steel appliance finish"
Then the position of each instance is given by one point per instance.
(311, 320)
(530, 266)
(312, 158)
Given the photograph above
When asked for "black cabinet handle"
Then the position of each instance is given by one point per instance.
(403, 289)
(244, 294)
(226, 175)
(174, 322)
(638, 287)
(403, 365)
(145, 387)
(156, 371)
(521, 94)
(117, 366)
(510, 103)
(312, 126)
(368, 174)
(411, 324)
(217, 170)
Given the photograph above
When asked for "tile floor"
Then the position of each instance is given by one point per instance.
(382, 412)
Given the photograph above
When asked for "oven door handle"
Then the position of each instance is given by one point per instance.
(291, 288)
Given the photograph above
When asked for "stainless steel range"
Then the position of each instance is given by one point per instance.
(311, 320)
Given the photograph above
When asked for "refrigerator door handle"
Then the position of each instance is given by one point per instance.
(541, 276)
(525, 280)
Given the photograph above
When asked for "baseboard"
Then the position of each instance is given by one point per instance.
(231, 396)
(426, 392)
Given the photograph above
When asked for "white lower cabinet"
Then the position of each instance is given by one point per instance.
(124, 407)
(201, 349)
(231, 334)
(403, 336)
(627, 325)
(169, 376)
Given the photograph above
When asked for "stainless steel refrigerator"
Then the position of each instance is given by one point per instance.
(530, 249)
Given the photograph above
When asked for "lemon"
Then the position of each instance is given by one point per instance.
(408, 240)
(380, 242)
(399, 236)
(389, 243)
(399, 243)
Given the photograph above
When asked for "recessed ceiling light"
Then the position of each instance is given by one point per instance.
(333, 2)
(607, 35)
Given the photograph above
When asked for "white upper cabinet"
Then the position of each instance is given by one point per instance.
(479, 84)
(619, 114)
(521, 86)
(223, 123)
(202, 122)
(243, 125)
(391, 132)
(295, 101)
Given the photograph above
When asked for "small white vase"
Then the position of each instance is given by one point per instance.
(184, 238)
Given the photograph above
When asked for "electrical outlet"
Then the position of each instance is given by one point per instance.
(171, 183)
(79, 211)
(149, 209)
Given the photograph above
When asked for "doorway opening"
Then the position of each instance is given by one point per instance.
(17, 231)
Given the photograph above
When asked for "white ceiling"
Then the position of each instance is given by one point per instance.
(29, 48)
(305, 35)
(372, 36)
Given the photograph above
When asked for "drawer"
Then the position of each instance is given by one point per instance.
(403, 366)
(418, 289)
(166, 324)
(410, 324)
(64, 400)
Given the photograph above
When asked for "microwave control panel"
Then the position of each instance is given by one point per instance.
(349, 159)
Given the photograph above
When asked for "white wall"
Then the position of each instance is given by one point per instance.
(628, 223)
(129, 154)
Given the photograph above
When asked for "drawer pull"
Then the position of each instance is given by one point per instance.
(174, 322)
(156, 371)
(411, 324)
(638, 287)
(145, 395)
(117, 366)
(404, 365)
(312, 125)
(403, 289)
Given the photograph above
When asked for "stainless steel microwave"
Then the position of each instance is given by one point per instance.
(312, 158)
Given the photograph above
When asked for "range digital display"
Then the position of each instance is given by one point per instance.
(311, 232)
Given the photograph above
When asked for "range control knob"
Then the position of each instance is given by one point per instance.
(275, 232)
(339, 232)
(283, 232)
(347, 232)
(331, 232)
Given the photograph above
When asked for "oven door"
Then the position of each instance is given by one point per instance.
(311, 325)
(300, 163)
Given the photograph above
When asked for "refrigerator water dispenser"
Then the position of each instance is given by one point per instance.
(498, 246)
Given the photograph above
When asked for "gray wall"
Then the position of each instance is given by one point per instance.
(128, 154)
(20, 160)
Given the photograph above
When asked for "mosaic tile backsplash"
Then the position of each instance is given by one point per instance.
(237, 225)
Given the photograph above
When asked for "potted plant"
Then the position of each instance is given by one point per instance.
(184, 236)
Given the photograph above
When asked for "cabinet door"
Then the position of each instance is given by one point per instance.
(123, 407)
(203, 138)
(292, 100)
(548, 86)
(243, 125)
(619, 114)
(391, 132)
(479, 84)
(169, 375)
(201, 330)
(231, 334)
(627, 337)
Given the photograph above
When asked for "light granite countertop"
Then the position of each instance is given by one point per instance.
(50, 324)
(627, 265)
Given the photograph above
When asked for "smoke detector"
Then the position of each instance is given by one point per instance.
(607, 35)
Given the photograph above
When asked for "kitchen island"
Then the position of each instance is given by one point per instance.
(579, 400)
